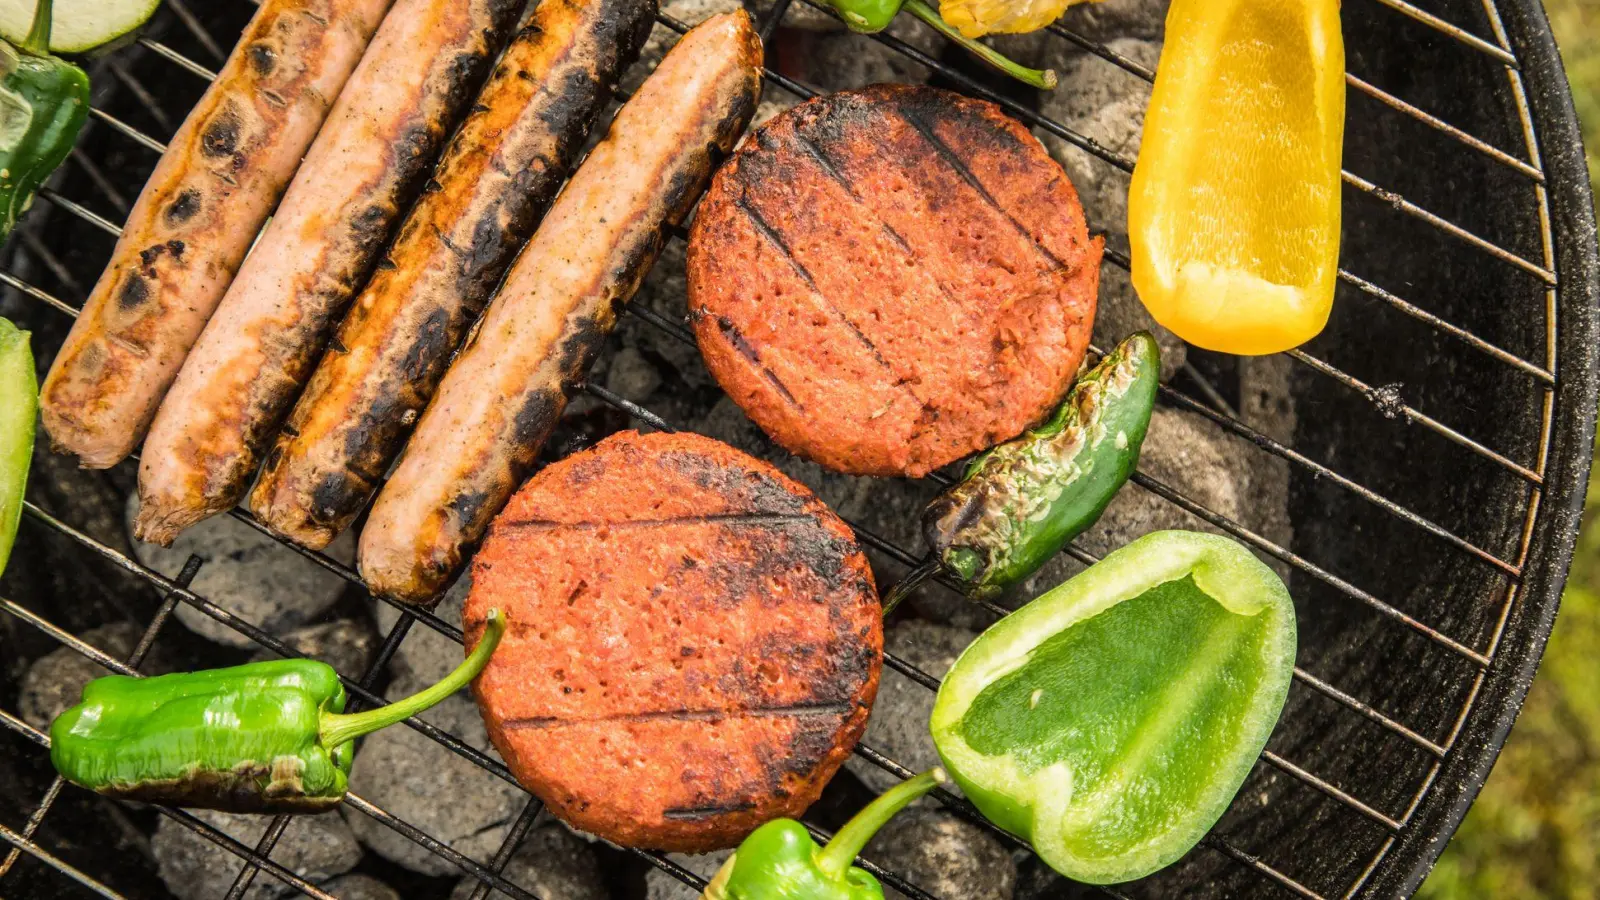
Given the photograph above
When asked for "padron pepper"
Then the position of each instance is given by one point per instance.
(264, 737)
(43, 103)
(872, 16)
(780, 861)
(1112, 720)
(1233, 213)
(1021, 502)
(19, 407)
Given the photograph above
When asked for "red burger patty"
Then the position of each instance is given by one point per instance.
(889, 279)
(694, 641)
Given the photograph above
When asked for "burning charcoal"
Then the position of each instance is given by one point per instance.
(944, 855)
(631, 375)
(55, 681)
(1121, 314)
(837, 60)
(411, 776)
(661, 886)
(426, 656)
(899, 724)
(1114, 19)
(345, 644)
(247, 573)
(360, 887)
(314, 847)
(551, 863)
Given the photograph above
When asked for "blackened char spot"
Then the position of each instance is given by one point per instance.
(221, 136)
(183, 207)
(263, 59)
(429, 347)
(134, 292)
(570, 100)
(336, 498)
(538, 415)
(176, 248)
(468, 506)
(578, 349)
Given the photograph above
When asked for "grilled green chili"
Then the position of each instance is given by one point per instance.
(19, 407)
(43, 103)
(1111, 720)
(1022, 501)
(264, 737)
(779, 861)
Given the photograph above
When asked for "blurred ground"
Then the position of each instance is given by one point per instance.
(1535, 830)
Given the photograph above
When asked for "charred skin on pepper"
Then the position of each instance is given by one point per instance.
(264, 737)
(1021, 502)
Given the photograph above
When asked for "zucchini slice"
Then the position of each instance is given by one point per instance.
(78, 25)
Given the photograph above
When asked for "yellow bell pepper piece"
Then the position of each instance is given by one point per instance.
(1233, 215)
(976, 18)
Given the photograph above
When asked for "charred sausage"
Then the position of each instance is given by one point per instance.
(195, 219)
(424, 66)
(494, 184)
(503, 394)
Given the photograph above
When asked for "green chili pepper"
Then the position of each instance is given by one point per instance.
(264, 737)
(1022, 501)
(19, 407)
(779, 861)
(872, 16)
(1111, 721)
(43, 103)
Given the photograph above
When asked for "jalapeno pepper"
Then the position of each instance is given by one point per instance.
(780, 861)
(1022, 501)
(1111, 720)
(871, 16)
(43, 103)
(19, 408)
(1233, 213)
(264, 737)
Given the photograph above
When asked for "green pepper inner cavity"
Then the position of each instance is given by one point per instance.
(1114, 700)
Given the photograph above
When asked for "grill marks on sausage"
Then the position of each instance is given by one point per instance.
(221, 137)
(497, 178)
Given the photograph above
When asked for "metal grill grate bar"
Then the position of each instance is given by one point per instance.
(1454, 31)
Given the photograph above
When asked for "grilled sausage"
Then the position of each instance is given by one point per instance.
(195, 219)
(424, 66)
(695, 641)
(503, 394)
(494, 184)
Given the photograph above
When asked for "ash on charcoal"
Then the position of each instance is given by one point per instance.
(943, 855)
(425, 656)
(413, 777)
(898, 727)
(661, 886)
(551, 863)
(314, 847)
(55, 681)
(360, 887)
(345, 644)
(247, 573)
(631, 375)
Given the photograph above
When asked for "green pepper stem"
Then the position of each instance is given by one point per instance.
(38, 40)
(337, 728)
(909, 583)
(1044, 79)
(834, 860)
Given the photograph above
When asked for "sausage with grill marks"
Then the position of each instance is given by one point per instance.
(504, 393)
(195, 219)
(424, 66)
(497, 178)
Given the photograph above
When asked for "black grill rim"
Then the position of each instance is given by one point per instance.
(1555, 121)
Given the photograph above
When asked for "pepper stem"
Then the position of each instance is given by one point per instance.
(834, 860)
(338, 728)
(909, 583)
(1044, 79)
(38, 40)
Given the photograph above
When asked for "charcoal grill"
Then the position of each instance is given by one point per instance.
(1437, 469)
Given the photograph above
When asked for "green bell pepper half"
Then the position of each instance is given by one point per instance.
(1112, 720)
(19, 408)
(44, 101)
(780, 861)
(265, 737)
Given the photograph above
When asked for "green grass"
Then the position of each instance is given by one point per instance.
(1535, 830)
